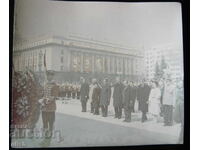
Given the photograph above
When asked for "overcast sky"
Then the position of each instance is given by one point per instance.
(131, 24)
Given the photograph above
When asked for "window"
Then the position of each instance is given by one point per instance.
(61, 68)
(62, 51)
(61, 60)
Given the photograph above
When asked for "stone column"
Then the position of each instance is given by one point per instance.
(108, 64)
(81, 62)
(93, 65)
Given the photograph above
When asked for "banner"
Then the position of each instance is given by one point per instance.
(76, 63)
(87, 63)
(99, 64)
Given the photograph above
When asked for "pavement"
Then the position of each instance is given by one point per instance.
(74, 128)
(73, 107)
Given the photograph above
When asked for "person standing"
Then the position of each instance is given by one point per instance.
(48, 107)
(139, 94)
(179, 109)
(117, 98)
(133, 96)
(168, 102)
(84, 94)
(143, 97)
(96, 98)
(154, 100)
(127, 101)
(105, 97)
(90, 95)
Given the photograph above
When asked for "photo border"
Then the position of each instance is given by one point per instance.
(186, 55)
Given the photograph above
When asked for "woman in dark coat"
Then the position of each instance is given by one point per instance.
(105, 98)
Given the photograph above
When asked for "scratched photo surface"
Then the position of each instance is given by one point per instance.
(96, 74)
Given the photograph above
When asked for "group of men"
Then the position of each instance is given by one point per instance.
(69, 90)
(124, 97)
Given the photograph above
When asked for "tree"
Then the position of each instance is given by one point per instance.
(158, 71)
(163, 66)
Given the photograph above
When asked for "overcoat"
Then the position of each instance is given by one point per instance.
(133, 93)
(84, 92)
(96, 96)
(143, 97)
(117, 94)
(105, 95)
(127, 97)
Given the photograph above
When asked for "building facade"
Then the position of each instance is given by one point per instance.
(172, 55)
(73, 57)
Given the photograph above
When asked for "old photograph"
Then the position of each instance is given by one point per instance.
(91, 74)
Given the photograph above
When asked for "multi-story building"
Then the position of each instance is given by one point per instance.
(172, 55)
(74, 56)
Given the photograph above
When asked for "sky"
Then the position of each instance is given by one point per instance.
(129, 24)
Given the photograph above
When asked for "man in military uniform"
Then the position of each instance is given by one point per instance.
(84, 94)
(105, 98)
(49, 107)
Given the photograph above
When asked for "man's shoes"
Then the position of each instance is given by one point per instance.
(127, 120)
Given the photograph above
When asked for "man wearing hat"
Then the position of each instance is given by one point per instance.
(84, 94)
(49, 107)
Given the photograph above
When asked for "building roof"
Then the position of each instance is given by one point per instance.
(77, 41)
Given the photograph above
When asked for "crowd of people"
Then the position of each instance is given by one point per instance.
(69, 90)
(156, 97)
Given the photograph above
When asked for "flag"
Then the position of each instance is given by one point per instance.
(45, 60)
(45, 66)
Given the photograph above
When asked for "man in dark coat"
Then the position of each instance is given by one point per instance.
(105, 97)
(143, 97)
(139, 94)
(127, 101)
(133, 96)
(117, 98)
(84, 94)
(96, 98)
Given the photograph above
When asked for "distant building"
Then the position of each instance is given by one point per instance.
(173, 56)
(73, 57)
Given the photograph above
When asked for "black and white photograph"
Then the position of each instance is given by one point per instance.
(96, 74)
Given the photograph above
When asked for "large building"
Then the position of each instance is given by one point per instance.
(172, 55)
(75, 56)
